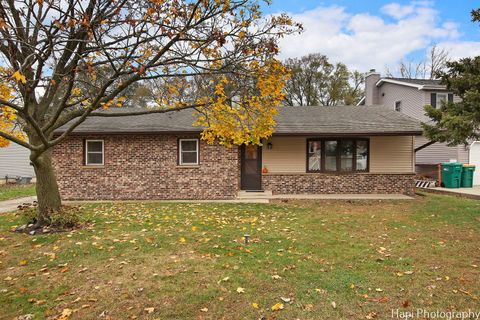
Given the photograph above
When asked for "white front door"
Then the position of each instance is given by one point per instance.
(475, 160)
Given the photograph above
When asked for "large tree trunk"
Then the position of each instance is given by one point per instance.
(48, 195)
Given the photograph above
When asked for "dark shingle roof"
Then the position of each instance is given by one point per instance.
(344, 120)
(338, 120)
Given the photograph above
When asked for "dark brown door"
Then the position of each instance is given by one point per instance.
(251, 168)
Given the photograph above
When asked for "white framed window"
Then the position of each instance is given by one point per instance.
(398, 106)
(188, 152)
(94, 152)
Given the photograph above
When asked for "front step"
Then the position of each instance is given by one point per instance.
(243, 194)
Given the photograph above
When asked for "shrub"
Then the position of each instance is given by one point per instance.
(66, 218)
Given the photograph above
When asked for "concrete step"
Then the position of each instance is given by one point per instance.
(266, 194)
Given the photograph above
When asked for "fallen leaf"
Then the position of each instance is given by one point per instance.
(277, 307)
(204, 309)
(334, 305)
(255, 305)
(149, 310)
(308, 307)
(240, 290)
(66, 313)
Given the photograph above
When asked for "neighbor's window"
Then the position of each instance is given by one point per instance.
(441, 98)
(437, 99)
(188, 152)
(398, 106)
(94, 152)
(337, 155)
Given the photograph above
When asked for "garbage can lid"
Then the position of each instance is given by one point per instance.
(451, 164)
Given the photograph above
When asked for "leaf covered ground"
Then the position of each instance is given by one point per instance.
(305, 260)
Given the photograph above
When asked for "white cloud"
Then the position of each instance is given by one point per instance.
(457, 50)
(364, 41)
(398, 11)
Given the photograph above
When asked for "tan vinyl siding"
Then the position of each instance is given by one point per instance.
(387, 155)
(391, 154)
(288, 155)
(15, 161)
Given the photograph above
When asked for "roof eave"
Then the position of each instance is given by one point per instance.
(407, 84)
(412, 85)
(351, 134)
(319, 134)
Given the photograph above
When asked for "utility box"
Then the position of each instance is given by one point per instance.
(452, 174)
(467, 176)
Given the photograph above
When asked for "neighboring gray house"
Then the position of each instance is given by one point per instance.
(15, 161)
(410, 96)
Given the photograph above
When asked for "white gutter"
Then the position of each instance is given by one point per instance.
(413, 85)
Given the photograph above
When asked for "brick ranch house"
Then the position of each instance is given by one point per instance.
(315, 150)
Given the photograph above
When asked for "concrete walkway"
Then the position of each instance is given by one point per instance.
(472, 193)
(11, 205)
(342, 196)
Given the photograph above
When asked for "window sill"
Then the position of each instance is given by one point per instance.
(184, 166)
(93, 166)
(334, 173)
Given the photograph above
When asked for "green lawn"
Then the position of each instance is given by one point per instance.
(8, 192)
(327, 260)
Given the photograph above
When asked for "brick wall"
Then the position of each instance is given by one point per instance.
(339, 183)
(145, 167)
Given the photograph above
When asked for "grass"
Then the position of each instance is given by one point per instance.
(330, 259)
(9, 191)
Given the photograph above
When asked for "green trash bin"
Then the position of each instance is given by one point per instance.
(451, 174)
(467, 176)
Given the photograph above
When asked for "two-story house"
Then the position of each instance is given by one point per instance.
(410, 96)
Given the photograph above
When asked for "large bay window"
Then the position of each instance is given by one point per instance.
(337, 155)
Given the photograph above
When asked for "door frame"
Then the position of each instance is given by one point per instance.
(242, 169)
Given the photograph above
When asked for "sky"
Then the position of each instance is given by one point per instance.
(375, 34)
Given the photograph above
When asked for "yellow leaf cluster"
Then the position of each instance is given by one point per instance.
(8, 117)
(19, 77)
(251, 119)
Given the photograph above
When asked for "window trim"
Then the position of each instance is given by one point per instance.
(180, 160)
(87, 152)
(338, 159)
